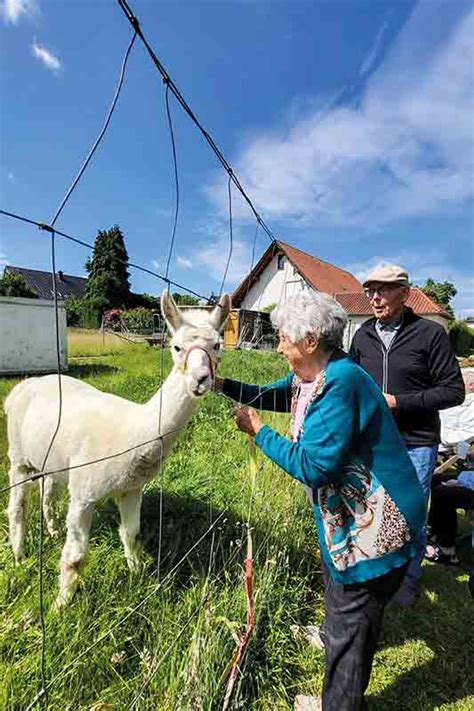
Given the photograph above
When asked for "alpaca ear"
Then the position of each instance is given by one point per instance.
(221, 312)
(170, 311)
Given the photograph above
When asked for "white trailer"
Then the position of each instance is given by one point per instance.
(27, 336)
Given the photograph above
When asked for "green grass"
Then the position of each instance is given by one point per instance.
(181, 636)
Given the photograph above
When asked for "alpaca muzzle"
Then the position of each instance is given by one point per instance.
(203, 375)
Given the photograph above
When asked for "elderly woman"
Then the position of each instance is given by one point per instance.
(364, 491)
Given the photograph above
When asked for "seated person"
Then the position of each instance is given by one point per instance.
(450, 491)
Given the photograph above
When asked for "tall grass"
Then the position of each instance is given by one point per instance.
(177, 645)
(83, 342)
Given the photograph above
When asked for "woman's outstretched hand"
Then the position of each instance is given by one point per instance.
(247, 419)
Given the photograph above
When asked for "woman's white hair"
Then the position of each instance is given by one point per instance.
(311, 313)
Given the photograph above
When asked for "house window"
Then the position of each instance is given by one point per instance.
(281, 261)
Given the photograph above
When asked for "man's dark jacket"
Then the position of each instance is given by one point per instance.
(419, 368)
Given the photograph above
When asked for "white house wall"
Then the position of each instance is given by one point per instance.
(273, 286)
(27, 336)
(439, 319)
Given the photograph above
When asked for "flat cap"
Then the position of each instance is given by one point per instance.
(388, 274)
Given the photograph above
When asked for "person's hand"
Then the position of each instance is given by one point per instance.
(247, 420)
(391, 400)
(218, 383)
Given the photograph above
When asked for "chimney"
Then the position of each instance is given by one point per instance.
(60, 275)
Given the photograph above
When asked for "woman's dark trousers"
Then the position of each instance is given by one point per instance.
(351, 631)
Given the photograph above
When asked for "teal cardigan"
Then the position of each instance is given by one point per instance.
(367, 500)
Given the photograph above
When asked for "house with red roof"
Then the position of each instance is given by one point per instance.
(283, 270)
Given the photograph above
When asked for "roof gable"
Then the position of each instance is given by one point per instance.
(319, 274)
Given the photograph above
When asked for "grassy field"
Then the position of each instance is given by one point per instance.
(180, 639)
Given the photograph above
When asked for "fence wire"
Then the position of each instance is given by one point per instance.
(41, 696)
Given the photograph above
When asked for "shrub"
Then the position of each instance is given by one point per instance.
(462, 338)
(84, 313)
(139, 319)
(113, 319)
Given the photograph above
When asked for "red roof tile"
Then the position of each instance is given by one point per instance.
(358, 304)
(321, 275)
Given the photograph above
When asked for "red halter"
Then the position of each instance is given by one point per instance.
(212, 365)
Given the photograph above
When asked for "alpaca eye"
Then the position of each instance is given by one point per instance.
(177, 349)
(217, 346)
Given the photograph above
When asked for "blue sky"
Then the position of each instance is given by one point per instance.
(349, 123)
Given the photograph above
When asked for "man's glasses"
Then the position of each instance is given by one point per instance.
(370, 291)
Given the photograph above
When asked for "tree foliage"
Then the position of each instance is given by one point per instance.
(15, 285)
(144, 300)
(185, 299)
(442, 292)
(108, 283)
(462, 338)
(84, 313)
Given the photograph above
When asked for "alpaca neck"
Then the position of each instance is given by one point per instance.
(172, 406)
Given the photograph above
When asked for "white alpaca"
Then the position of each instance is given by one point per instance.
(95, 424)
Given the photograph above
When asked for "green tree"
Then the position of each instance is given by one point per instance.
(185, 299)
(15, 285)
(108, 283)
(442, 292)
(462, 338)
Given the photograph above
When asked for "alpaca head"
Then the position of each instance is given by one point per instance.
(195, 342)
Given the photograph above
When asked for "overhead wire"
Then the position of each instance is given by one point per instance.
(42, 694)
(232, 180)
(83, 243)
(101, 134)
(184, 627)
(162, 344)
(231, 236)
(125, 6)
(156, 587)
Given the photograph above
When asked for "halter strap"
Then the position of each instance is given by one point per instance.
(196, 347)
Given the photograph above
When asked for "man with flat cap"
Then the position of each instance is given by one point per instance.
(412, 361)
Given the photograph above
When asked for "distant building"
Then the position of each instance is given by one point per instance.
(284, 270)
(67, 286)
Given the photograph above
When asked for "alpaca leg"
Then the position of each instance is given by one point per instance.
(129, 506)
(78, 523)
(48, 506)
(17, 511)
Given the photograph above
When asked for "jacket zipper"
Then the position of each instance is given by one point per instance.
(385, 351)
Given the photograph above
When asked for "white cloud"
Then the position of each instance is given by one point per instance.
(14, 10)
(49, 60)
(11, 177)
(212, 257)
(184, 263)
(156, 264)
(405, 150)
